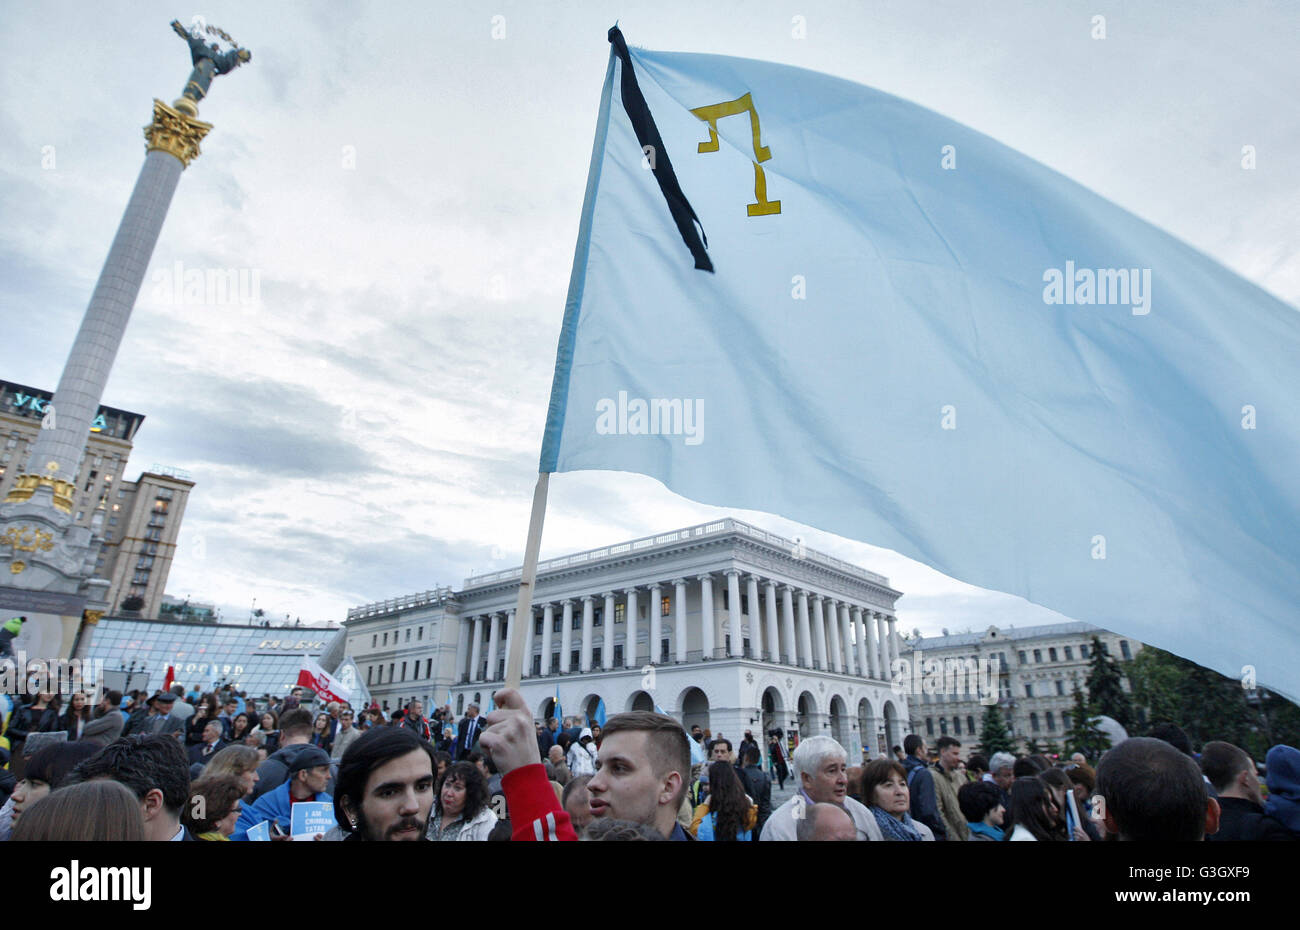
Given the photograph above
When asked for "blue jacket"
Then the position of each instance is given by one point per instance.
(273, 806)
(545, 740)
(982, 831)
(1283, 779)
(925, 808)
(705, 831)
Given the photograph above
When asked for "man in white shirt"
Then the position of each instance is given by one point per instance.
(821, 765)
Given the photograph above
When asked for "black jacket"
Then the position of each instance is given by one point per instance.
(194, 729)
(758, 786)
(925, 806)
(69, 723)
(197, 756)
(138, 722)
(745, 745)
(7, 785)
(464, 742)
(30, 720)
(417, 725)
(1243, 820)
(545, 740)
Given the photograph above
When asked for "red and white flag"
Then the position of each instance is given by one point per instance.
(317, 679)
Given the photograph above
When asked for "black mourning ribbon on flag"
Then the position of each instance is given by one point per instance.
(647, 133)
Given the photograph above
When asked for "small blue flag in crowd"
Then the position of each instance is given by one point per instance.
(796, 294)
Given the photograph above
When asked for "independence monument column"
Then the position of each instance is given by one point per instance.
(47, 562)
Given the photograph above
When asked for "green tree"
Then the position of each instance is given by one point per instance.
(1280, 723)
(1106, 694)
(1155, 681)
(994, 735)
(1207, 705)
(1083, 735)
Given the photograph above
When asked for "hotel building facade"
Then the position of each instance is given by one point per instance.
(139, 520)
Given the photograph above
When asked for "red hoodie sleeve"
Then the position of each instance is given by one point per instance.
(535, 813)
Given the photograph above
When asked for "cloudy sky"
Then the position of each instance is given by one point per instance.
(404, 182)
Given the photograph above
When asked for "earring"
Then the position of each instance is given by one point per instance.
(354, 824)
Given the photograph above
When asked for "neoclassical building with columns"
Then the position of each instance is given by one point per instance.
(721, 624)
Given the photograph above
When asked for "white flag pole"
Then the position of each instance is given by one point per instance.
(524, 605)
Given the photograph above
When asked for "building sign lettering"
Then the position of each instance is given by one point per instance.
(290, 645)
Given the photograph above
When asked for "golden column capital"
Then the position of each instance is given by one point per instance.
(93, 616)
(175, 133)
(26, 485)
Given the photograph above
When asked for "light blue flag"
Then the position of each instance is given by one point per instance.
(599, 715)
(558, 714)
(917, 337)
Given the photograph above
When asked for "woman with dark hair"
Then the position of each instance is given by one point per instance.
(320, 732)
(886, 795)
(214, 805)
(1033, 815)
(269, 726)
(34, 717)
(1061, 787)
(92, 812)
(728, 814)
(205, 710)
(1083, 781)
(76, 717)
(460, 810)
(240, 727)
(46, 771)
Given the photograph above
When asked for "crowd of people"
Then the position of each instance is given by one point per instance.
(221, 766)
